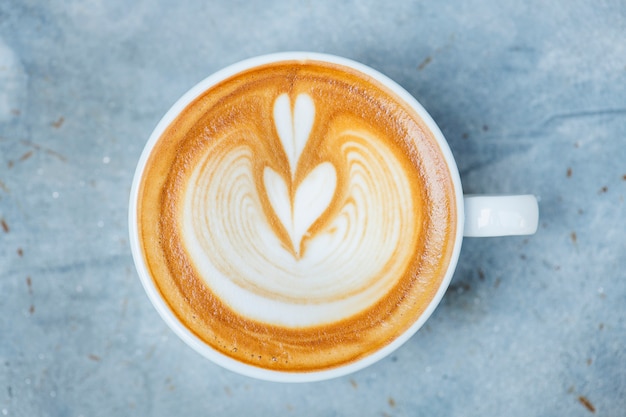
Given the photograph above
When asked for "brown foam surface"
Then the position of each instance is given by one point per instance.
(237, 113)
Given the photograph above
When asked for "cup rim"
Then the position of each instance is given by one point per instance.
(161, 305)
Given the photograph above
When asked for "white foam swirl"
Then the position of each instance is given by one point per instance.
(351, 263)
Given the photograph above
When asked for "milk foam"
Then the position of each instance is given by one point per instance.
(294, 128)
(353, 258)
(298, 207)
(311, 198)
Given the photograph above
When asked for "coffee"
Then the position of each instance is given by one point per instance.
(297, 216)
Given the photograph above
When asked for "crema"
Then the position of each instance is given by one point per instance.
(297, 216)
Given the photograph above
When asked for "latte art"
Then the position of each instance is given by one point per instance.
(297, 216)
(317, 274)
(311, 198)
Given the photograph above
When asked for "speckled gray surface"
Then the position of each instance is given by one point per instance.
(531, 96)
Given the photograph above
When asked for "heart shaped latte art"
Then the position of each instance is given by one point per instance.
(303, 237)
(300, 209)
(311, 199)
(294, 127)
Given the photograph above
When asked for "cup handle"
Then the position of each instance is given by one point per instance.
(502, 215)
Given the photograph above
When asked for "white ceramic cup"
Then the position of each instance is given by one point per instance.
(477, 216)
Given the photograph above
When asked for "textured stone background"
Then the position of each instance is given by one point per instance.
(531, 96)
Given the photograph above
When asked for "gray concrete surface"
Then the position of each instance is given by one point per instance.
(531, 96)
